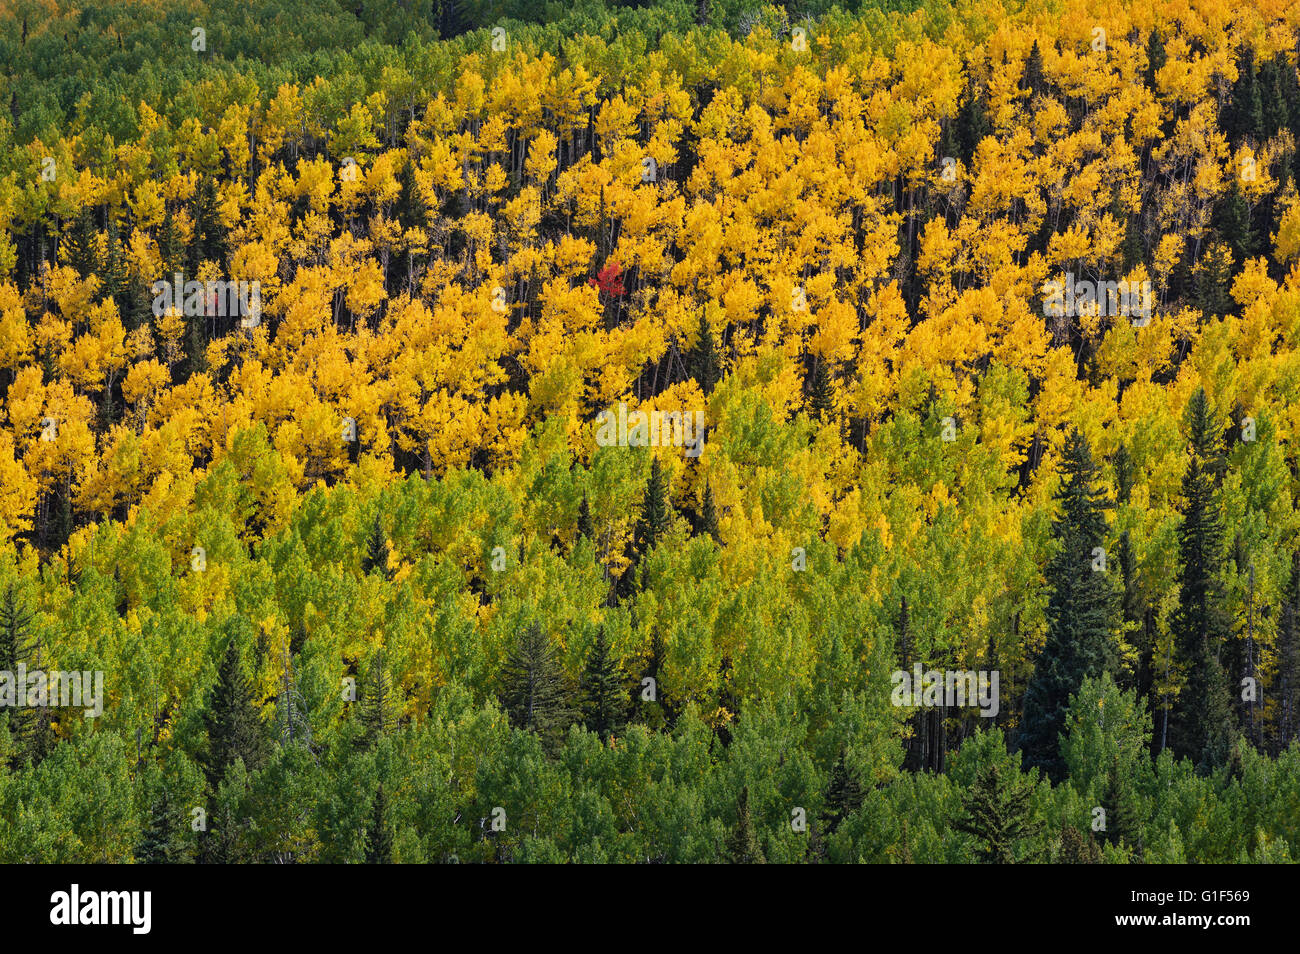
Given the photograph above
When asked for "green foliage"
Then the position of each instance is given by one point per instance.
(1081, 610)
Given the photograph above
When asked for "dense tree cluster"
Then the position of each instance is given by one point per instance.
(366, 585)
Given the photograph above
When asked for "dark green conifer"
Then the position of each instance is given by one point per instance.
(604, 699)
(534, 690)
(744, 848)
(233, 724)
(379, 838)
(998, 812)
(1082, 610)
(1201, 725)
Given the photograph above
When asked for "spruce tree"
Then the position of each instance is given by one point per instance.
(1244, 116)
(821, 398)
(972, 121)
(1031, 78)
(709, 515)
(113, 267)
(170, 249)
(655, 711)
(1200, 727)
(79, 245)
(998, 812)
(585, 526)
(1123, 825)
(410, 208)
(704, 363)
(234, 726)
(604, 701)
(208, 238)
(15, 630)
(376, 701)
(1155, 57)
(1288, 662)
(534, 690)
(844, 795)
(377, 551)
(1213, 277)
(1078, 848)
(1132, 602)
(655, 519)
(1272, 84)
(162, 842)
(1082, 611)
(656, 511)
(223, 843)
(1231, 221)
(30, 728)
(743, 847)
(379, 838)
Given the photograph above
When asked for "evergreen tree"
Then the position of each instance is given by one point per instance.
(604, 701)
(451, 18)
(234, 727)
(1155, 57)
(655, 519)
(704, 362)
(1273, 93)
(1132, 249)
(1078, 848)
(844, 795)
(534, 690)
(821, 399)
(1231, 221)
(585, 526)
(376, 701)
(15, 630)
(79, 245)
(377, 552)
(1200, 729)
(743, 847)
(30, 728)
(379, 839)
(654, 712)
(972, 121)
(1214, 280)
(410, 209)
(139, 307)
(169, 245)
(163, 842)
(208, 239)
(113, 267)
(997, 811)
(656, 511)
(1132, 602)
(1031, 78)
(1123, 826)
(1082, 611)
(1288, 662)
(709, 515)
(1244, 116)
(223, 844)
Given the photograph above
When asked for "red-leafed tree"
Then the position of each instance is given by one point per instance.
(609, 280)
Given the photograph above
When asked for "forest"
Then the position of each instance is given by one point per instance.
(487, 431)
